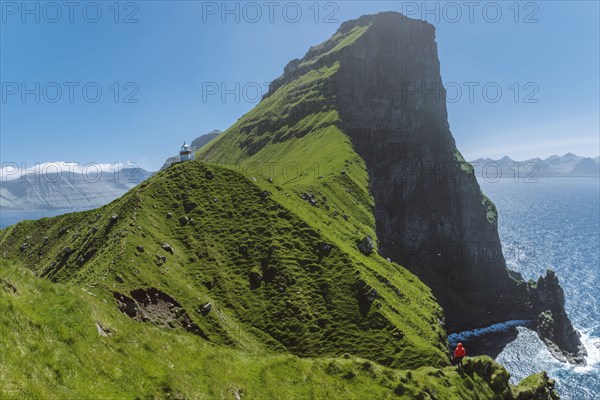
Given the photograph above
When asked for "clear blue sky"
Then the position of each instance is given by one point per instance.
(175, 48)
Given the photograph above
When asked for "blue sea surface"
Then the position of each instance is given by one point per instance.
(554, 223)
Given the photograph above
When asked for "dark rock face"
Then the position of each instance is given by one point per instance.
(366, 245)
(431, 215)
(553, 324)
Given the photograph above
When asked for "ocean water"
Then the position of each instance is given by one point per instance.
(554, 223)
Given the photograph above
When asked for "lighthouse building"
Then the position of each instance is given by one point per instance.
(185, 154)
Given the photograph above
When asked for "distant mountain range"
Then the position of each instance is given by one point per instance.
(569, 165)
(72, 190)
(67, 190)
(196, 144)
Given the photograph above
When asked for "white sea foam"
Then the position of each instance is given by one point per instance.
(495, 328)
(592, 345)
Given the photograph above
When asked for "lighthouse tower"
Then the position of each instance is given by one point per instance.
(185, 154)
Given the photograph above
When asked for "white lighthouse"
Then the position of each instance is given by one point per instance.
(185, 154)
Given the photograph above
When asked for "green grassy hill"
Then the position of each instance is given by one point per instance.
(114, 319)
(50, 348)
(292, 141)
(272, 279)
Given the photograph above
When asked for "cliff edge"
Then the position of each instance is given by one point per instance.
(431, 215)
(377, 81)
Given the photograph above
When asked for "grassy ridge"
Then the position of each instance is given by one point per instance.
(292, 141)
(308, 302)
(50, 348)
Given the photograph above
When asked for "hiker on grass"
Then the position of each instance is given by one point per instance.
(459, 354)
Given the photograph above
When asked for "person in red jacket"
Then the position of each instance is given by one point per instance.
(459, 354)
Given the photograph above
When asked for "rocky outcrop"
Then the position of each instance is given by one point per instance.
(366, 245)
(168, 248)
(536, 387)
(152, 305)
(552, 323)
(431, 215)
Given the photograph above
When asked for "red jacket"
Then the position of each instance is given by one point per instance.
(460, 351)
